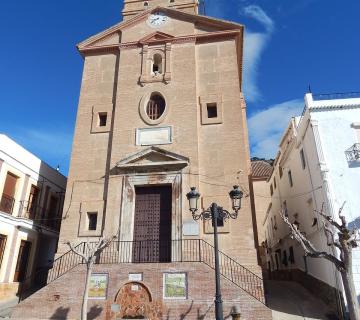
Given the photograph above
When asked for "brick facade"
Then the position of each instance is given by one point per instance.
(63, 296)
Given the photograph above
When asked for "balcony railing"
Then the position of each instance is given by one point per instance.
(7, 204)
(334, 96)
(40, 215)
(353, 153)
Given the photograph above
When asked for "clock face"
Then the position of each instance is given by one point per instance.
(157, 19)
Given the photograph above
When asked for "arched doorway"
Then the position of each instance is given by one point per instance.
(135, 301)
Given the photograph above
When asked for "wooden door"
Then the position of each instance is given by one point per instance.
(2, 247)
(7, 198)
(22, 261)
(152, 225)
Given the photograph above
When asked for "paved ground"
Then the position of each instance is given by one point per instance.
(291, 301)
(6, 307)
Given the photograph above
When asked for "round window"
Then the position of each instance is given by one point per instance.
(155, 106)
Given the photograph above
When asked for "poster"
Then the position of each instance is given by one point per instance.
(98, 286)
(175, 285)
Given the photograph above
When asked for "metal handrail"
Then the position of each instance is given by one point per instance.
(155, 251)
(334, 96)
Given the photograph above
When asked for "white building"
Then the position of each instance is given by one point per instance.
(317, 166)
(31, 199)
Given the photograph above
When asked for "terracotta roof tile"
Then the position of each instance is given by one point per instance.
(261, 169)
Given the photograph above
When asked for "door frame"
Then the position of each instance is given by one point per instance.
(128, 203)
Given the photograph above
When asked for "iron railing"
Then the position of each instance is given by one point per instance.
(353, 153)
(149, 251)
(40, 215)
(7, 203)
(334, 96)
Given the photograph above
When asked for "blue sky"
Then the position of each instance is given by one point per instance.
(289, 44)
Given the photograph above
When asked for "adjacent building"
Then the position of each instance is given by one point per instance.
(317, 168)
(261, 170)
(31, 203)
(161, 110)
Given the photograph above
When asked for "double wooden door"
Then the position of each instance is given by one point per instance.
(152, 225)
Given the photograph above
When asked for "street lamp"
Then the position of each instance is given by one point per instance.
(214, 213)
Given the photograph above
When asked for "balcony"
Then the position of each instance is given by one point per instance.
(7, 204)
(40, 215)
(353, 153)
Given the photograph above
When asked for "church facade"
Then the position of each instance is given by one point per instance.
(161, 110)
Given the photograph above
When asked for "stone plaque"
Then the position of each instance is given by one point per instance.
(135, 276)
(191, 228)
(153, 136)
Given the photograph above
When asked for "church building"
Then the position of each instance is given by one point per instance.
(161, 110)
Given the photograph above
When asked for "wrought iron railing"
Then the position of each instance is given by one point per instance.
(333, 96)
(40, 215)
(149, 251)
(353, 153)
(7, 203)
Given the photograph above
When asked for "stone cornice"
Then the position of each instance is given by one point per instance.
(195, 38)
(197, 19)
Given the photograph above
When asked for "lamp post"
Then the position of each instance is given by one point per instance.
(213, 213)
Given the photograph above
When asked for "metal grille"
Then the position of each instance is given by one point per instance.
(155, 107)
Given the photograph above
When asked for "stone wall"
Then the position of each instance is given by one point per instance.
(62, 298)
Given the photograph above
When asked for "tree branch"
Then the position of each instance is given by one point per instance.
(308, 247)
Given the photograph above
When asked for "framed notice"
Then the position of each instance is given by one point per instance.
(175, 285)
(98, 286)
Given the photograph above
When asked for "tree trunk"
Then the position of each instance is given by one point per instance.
(350, 293)
(86, 292)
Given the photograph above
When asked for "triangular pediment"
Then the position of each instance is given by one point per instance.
(112, 35)
(153, 157)
(156, 36)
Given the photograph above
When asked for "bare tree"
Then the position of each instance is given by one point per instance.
(92, 250)
(344, 241)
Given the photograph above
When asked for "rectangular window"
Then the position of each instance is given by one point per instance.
(102, 119)
(2, 247)
(280, 172)
(271, 190)
(274, 183)
(302, 157)
(290, 178)
(211, 110)
(92, 220)
(8, 196)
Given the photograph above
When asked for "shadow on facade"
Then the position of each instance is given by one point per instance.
(94, 312)
(60, 314)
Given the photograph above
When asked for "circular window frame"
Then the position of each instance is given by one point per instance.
(143, 105)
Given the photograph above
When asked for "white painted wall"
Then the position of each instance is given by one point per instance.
(22, 163)
(324, 132)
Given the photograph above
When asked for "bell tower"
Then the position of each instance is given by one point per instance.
(134, 7)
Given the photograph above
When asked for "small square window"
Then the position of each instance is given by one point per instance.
(92, 220)
(102, 119)
(211, 110)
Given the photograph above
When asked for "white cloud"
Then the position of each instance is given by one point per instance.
(267, 126)
(254, 45)
(260, 15)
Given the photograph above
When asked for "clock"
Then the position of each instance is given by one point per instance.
(157, 19)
